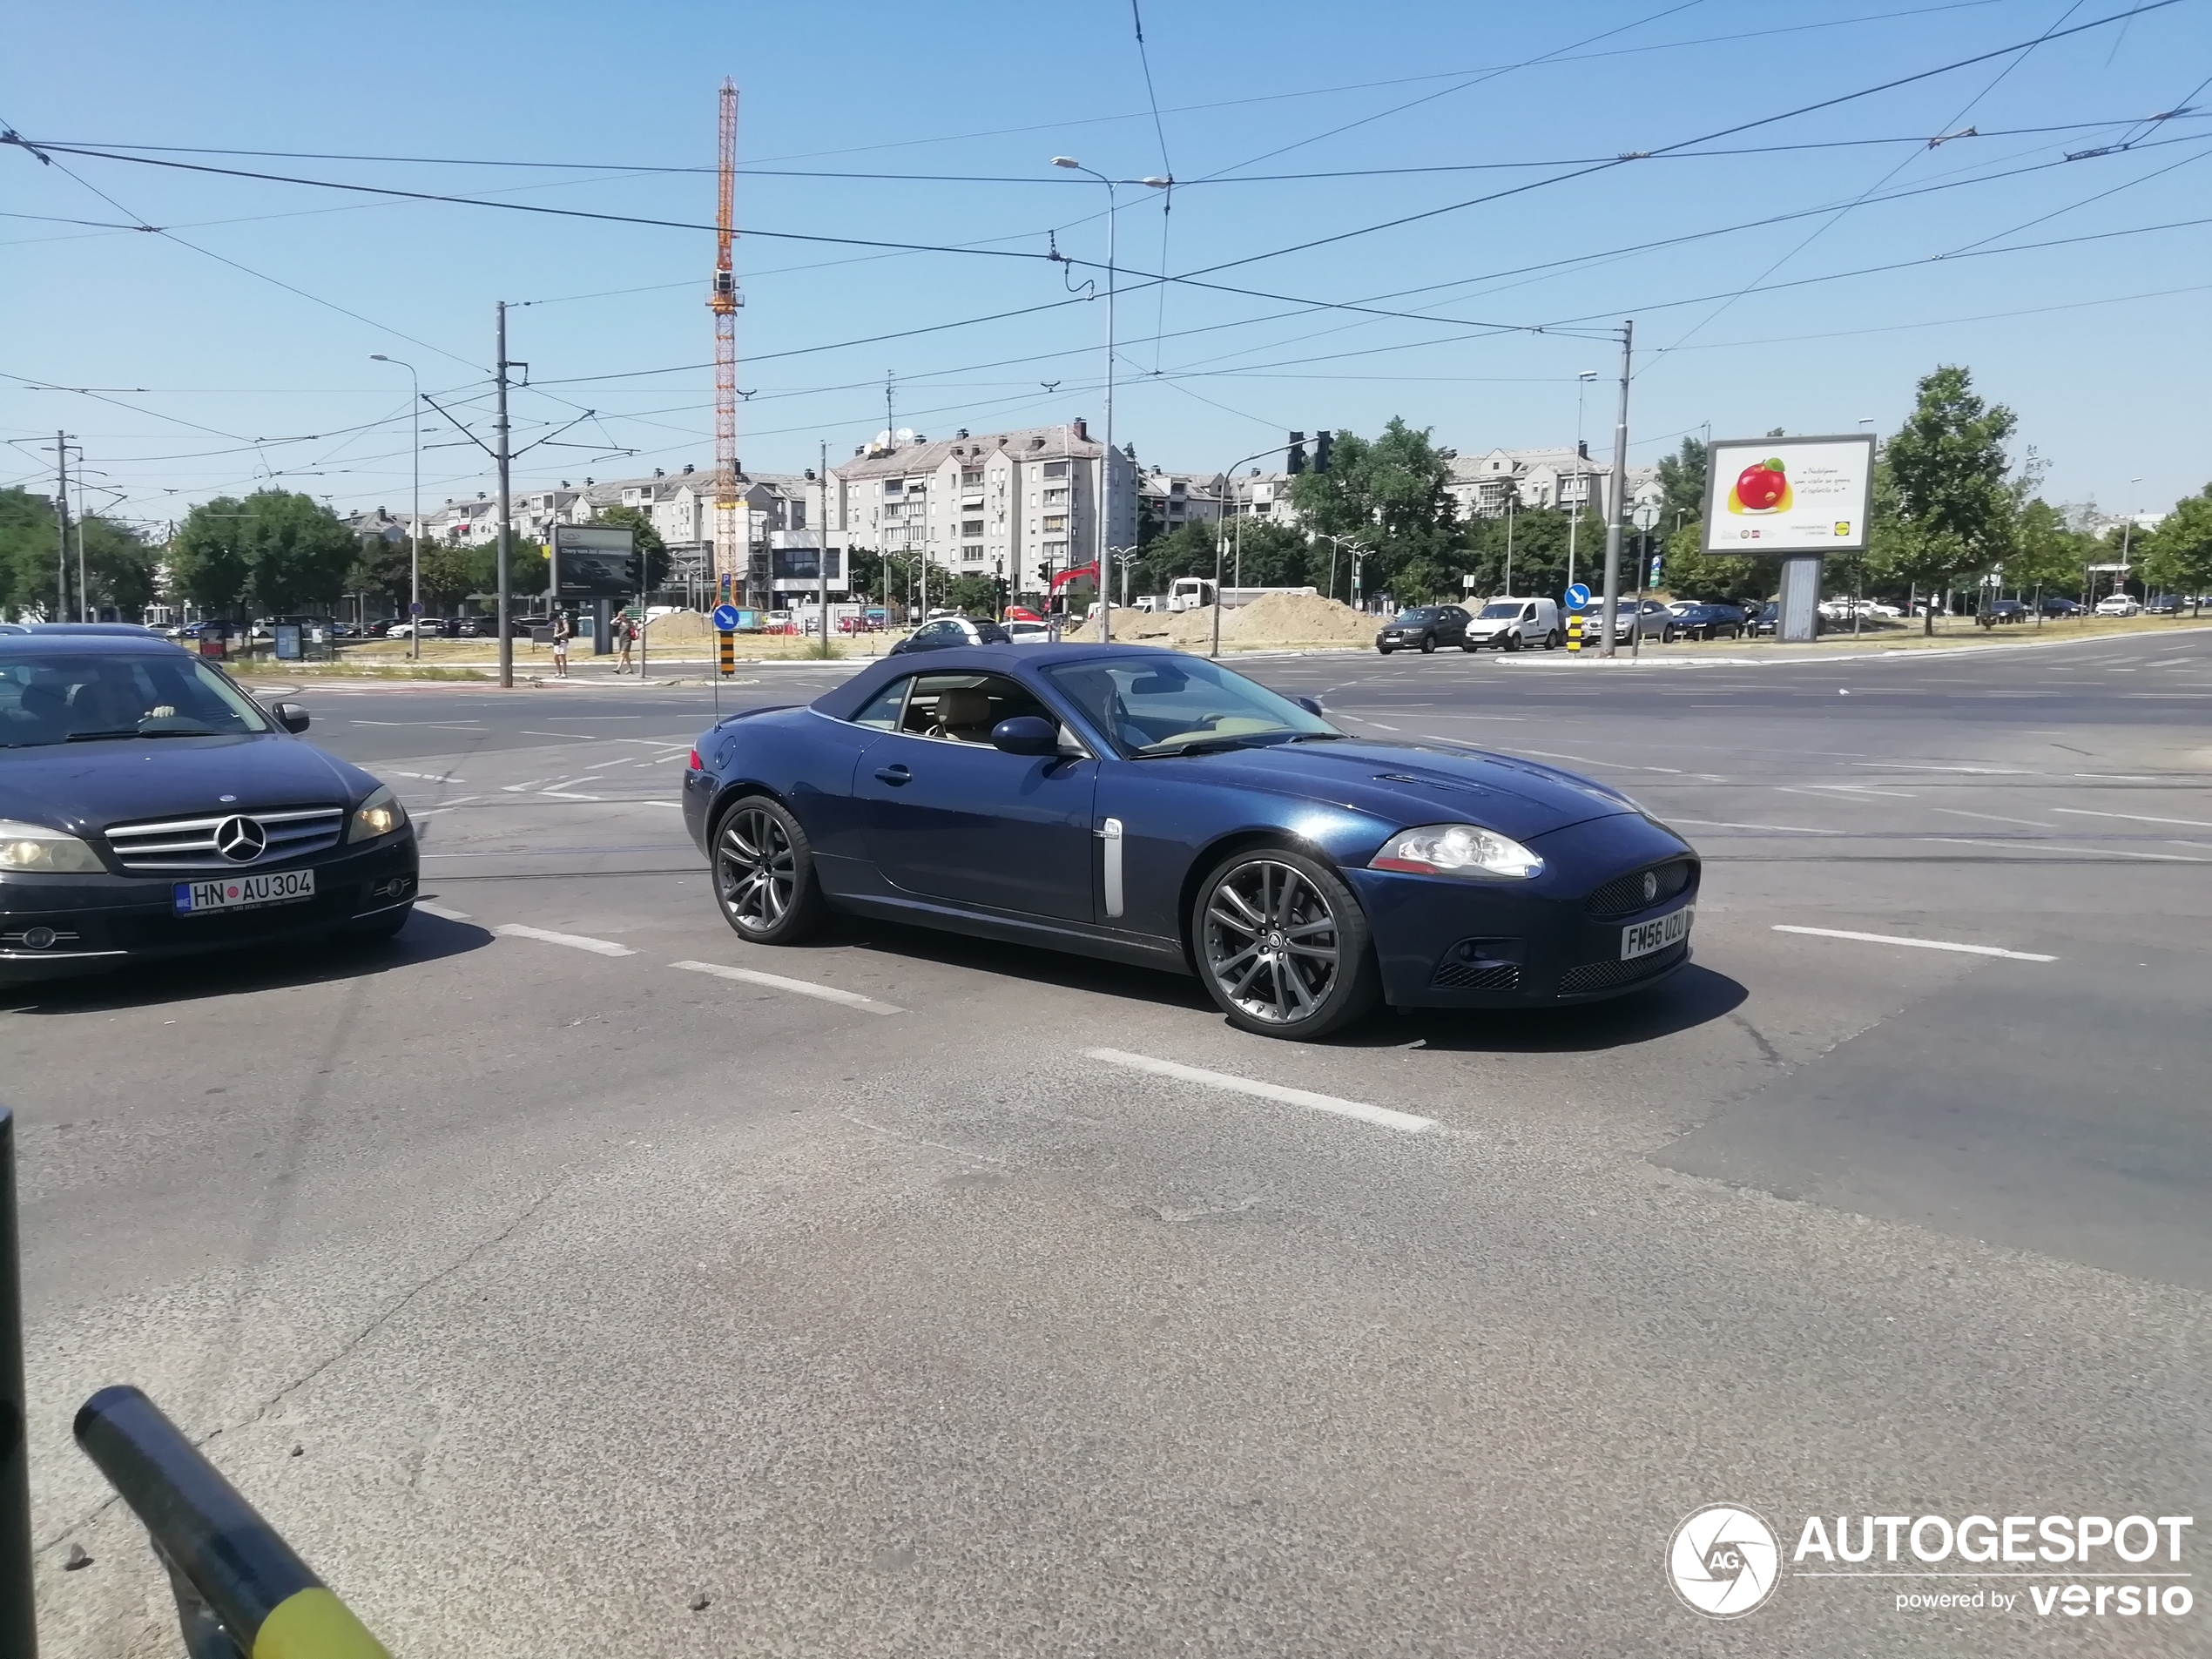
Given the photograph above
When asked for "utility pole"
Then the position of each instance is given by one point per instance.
(821, 545)
(506, 511)
(61, 520)
(84, 588)
(1620, 494)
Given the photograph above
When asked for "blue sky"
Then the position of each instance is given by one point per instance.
(249, 321)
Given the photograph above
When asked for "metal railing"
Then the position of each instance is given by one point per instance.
(241, 1591)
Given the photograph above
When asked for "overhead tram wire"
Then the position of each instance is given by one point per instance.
(1680, 145)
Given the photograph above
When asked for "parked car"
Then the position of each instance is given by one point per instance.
(1997, 611)
(1712, 622)
(2119, 604)
(1423, 628)
(1029, 633)
(946, 632)
(1763, 619)
(2055, 606)
(150, 808)
(1146, 806)
(1515, 625)
(1652, 621)
(419, 627)
(2165, 604)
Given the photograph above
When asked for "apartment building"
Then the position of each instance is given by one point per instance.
(1174, 499)
(1024, 506)
(1263, 498)
(1563, 476)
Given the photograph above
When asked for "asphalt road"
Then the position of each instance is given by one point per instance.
(564, 1295)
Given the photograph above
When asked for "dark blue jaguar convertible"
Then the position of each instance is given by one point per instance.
(1156, 808)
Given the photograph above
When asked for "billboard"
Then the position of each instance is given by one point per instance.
(1789, 495)
(594, 562)
(796, 560)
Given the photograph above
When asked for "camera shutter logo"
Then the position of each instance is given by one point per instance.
(240, 839)
(1725, 1562)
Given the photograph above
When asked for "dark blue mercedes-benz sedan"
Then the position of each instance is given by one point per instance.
(1151, 807)
(150, 808)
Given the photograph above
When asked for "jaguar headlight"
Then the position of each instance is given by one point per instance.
(379, 814)
(1457, 849)
(33, 847)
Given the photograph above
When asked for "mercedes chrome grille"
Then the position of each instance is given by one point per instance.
(214, 842)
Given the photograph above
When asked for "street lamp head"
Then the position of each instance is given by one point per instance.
(1155, 182)
(1586, 375)
(1066, 161)
(378, 357)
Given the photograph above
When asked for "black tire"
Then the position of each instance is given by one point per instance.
(1282, 946)
(1383, 650)
(1668, 635)
(1512, 640)
(1428, 643)
(1470, 646)
(1553, 640)
(764, 873)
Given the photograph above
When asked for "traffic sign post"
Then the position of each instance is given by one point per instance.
(725, 619)
(1645, 516)
(726, 635)
(1577, 597)
(1574, 628)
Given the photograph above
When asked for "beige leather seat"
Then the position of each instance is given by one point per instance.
(963, 714)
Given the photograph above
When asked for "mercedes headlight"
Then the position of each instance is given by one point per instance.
(379, 814)
(1456, 849)
(33, 847)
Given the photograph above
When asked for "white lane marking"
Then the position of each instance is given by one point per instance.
(2026, 845)
(1980, 771)
(1841, 794)
(441, 912)
(574, 942)
(1865, 789)
(1917, 944)
(571, 737)
(563, 794)
(2139, 817)
(532, 784)
(1722, 823)
(1992, 818)
(1405, 1122)
(777, 983)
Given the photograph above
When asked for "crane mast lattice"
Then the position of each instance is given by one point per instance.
(723, 300)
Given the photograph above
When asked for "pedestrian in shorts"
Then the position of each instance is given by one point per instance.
(563, 628)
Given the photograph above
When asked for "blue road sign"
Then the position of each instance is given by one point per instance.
(725, 619)
(416, 610)
(1578, 596)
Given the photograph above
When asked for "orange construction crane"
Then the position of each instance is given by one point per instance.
(723, 300)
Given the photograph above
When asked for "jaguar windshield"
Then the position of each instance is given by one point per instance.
(47, 698)
(1183, 705)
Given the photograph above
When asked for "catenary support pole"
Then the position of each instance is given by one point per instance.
(61, 522)
(821, 545)
(1620, 501)
(506, 514)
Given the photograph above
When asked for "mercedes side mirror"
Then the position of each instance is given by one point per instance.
(1026, 734)
(291, 717)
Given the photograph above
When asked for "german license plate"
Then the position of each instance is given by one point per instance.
(243, 892)
(1640, 939)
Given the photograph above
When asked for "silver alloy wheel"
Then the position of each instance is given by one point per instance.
(755, 870)
(1270, 940)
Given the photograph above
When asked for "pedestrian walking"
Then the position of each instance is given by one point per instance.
(563, 629)
(627, 637)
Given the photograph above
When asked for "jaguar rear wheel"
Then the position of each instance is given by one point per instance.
(764, 873)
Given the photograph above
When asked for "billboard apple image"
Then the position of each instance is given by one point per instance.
(1762, 487)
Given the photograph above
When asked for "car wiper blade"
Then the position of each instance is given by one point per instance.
(134, 731)
(1196, 746)
(1322, 736)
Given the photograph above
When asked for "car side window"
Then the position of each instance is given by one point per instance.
(964, 707)
(883, 708)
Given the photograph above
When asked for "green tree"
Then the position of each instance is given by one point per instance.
(2178, 554)
(1390, 492)
(27, 552)
(1683, 476)
(2047, 551)
(450, 573)
(121, 570)
(1945, 508)
(381, 567)
(970, 595)
(281, 551)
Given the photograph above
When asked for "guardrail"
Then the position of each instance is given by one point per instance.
(241, 1591)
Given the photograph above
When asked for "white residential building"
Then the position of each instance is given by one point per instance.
(1563, 476)
(1023, 506)
(1174, 499)
(1264, 497)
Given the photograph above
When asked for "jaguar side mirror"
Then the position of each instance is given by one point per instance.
(1310, 705)
(1026, 734)
(291, 717)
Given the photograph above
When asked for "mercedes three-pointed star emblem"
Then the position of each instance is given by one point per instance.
(240, 839)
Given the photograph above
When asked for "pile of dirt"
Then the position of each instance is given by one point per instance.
(1274, 619)
(679, 628)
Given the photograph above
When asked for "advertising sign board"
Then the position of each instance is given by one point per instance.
(594, 562)
(1789, 495)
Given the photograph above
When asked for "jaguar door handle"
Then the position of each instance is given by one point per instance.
(894, 775)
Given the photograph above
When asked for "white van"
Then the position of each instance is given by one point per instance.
(1517, 625)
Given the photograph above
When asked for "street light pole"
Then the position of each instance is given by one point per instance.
(1221, 541)
(1620, 494)
(1106, 461)
(415, 516)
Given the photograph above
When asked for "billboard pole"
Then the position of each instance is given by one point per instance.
(821, 545)
(1620, 496)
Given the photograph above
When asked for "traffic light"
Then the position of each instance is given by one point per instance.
(1321, 450)
(1297, 462)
